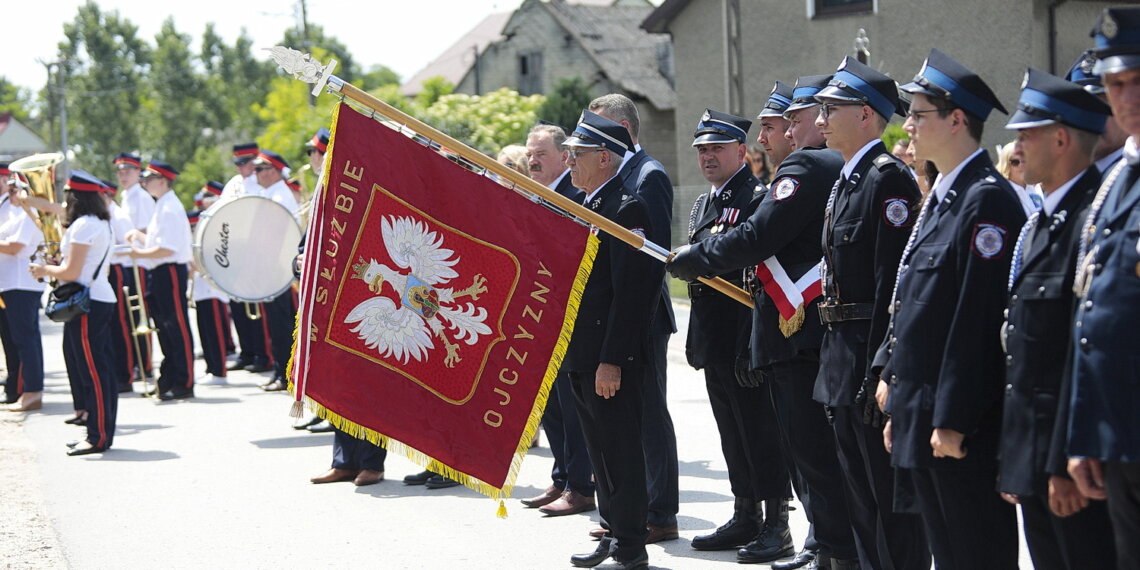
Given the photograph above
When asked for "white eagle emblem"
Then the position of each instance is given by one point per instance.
(404, 329)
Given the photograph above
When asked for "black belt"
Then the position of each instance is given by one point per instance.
(702, 290)
(834, 313)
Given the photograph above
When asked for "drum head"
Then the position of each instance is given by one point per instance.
(246, 247)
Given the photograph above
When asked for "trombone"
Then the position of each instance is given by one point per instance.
(141, 326)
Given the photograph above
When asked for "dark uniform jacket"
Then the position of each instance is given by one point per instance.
(615, 311)
(787, 224)
(942, 355)
(1105, 423)
(645, 176)
(719, 327)
(870, 221)
(1038, 337)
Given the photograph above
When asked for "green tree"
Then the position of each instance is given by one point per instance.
(104, 63)
(15, 100)
(487, 122)
(564, 104)
(893, 134)
(378, 76)
(175, 118)
(235, 80)
(432, 89)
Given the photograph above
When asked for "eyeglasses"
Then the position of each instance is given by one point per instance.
(575, 153)
(917, 115)
(262, 168)
(826, 108)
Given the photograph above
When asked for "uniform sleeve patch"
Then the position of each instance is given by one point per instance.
(785, 188)
(639, 231)
(989, 240)
(896, 211)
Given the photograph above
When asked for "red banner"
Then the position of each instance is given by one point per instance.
(438, 304)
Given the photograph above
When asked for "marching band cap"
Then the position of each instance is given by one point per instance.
(4, 170)
(320, 141)
(293, 184)
(214, 188)
(1082, 73)
(82, 181)
(803, 94)
(272, 159)
(596, 131)
(127, 160)
(944, 78)
(1046, 100)
(109, 187)
(159, 168)
(778, 101)
(856, 81)
(1117, 40)
(717, 127)
(192, 216)
(244, 153)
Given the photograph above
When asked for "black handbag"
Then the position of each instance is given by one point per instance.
(70, 300)
(67, 301)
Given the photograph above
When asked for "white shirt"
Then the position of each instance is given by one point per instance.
(6, 208)
(169, 229)
(138, 205)
(279, 192)
(96, 234)
(1053, 200)
(14, 274)
(1025, 195)
(203, 289)
(945, 182)
(849, 166)
(241, 186)
(120, 225)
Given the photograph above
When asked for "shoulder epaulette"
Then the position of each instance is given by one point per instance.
(883, 160)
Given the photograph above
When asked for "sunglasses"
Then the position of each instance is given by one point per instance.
(262, 168)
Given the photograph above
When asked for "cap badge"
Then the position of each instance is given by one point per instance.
(1109, 27)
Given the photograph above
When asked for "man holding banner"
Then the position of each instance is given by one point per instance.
(608, 349)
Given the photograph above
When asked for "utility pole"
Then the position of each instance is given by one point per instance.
(305, 40)
(733, 58)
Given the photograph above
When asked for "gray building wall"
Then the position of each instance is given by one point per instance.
(533, 29)
(996, 38)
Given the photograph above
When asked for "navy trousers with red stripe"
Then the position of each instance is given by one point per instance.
(25, 360)
(213, 322)
(124, 344)
(253, 335)
(167, 303)
(280, 315)
(86, 352)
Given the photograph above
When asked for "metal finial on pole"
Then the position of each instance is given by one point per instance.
(303, 67)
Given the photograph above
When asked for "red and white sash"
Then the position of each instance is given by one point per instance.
(790, 296)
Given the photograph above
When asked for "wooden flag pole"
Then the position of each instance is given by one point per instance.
(305, 68)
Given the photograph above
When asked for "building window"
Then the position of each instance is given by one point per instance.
(530, 73)
(839, 7)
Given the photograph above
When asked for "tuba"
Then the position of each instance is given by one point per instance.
(39, 170)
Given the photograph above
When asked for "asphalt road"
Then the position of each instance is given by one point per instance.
(222, 481)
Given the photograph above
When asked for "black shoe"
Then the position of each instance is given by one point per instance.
(639, 562)
(775, 538)
(277, 385)
(440, 482)
(801, 559)
(76, 421)
(259, 365)
(321, 427)
(172, 395)
(418, 478)
(738, 531)
(308, 423)
(240, 364)
(85, 450)
(11, 399)
(606, 548)
(125, 387)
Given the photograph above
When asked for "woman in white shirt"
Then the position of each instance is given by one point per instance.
(86, 249)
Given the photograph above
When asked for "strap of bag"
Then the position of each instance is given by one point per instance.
(110, 244)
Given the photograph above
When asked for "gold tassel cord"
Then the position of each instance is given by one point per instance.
(791, 326)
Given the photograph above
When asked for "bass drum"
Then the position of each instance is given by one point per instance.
(246, 246)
